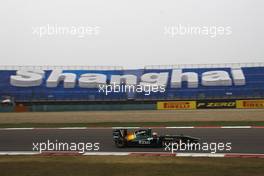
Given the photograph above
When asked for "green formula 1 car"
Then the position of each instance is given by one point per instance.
(147, 138)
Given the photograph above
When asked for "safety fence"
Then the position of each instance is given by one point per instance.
(159, 105)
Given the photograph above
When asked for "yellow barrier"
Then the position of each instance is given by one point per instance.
(250, 104)
(172, 105)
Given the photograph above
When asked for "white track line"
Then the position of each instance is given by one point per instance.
(184, 127)
(19, 153)
(233, 127)
(98, 128)
(126, 127)
(106, 153)
(199, 155)
(16, 128)
(73, 128)
(208, 155)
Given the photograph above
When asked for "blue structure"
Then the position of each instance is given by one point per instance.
(254, 87)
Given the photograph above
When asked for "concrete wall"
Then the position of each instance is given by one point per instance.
(53, 108)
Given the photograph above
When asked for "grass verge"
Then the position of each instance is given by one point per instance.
(129, 166)
(133, 124)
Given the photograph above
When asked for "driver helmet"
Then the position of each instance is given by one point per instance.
(155, 134)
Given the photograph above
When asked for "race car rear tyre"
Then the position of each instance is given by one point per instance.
(120, 143)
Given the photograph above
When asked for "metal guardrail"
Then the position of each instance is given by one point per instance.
(79, 67)
(220, 65)
(49, 67)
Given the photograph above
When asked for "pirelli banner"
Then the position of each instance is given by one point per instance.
(250, 104)
(216, 104)
(211, 104)
(174, 105)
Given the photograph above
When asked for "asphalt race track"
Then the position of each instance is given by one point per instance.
(243, 140)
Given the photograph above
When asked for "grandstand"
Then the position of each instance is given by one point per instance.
(252, 88)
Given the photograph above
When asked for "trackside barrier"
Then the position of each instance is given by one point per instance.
(4, 108)
(172, 105)
(250, 104)
(211, 104)
(216, 104)
(160, 105)
(91, 107)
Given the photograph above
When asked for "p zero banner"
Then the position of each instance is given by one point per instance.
(250, 104)
(173, 105)
(216, 104)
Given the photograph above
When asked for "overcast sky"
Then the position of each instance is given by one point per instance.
(130, 33)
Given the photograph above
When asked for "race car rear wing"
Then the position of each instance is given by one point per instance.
(119, 133)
